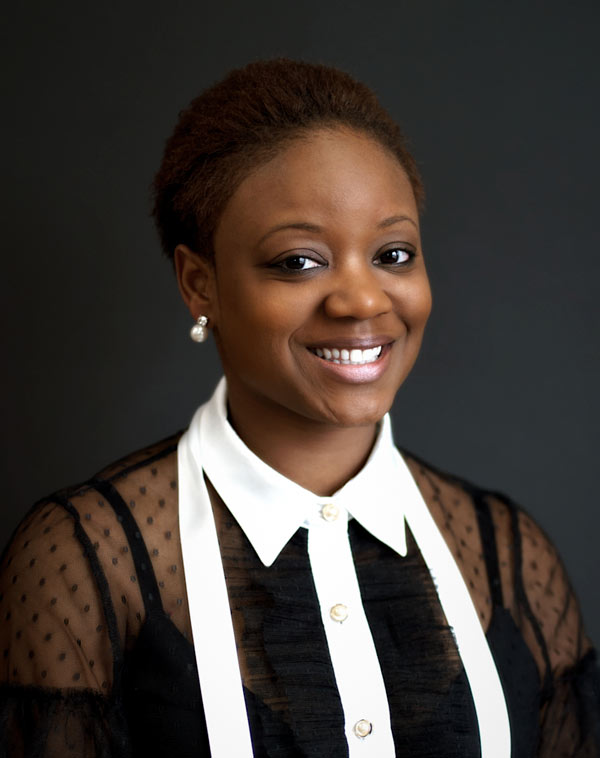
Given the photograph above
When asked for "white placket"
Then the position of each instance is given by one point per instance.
(351, 648)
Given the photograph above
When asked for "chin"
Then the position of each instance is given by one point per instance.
(356, 414)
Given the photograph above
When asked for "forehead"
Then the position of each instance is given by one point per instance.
(328, 177)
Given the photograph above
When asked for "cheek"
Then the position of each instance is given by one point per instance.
(269, 306)
(416, 305)
(423, 304)
(256, 312)
(253, 324)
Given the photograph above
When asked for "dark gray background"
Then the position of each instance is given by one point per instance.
(501, 103)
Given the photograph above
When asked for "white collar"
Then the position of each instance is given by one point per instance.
(270, 508)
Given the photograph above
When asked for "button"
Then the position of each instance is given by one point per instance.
(330, 512)
(363, 728)
(339, 613)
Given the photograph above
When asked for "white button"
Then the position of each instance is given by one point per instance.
(339, 613)
(330, 512)
(363, 728)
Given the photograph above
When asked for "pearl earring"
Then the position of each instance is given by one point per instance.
(199, 332)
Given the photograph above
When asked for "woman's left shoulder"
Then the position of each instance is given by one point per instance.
(489, 534)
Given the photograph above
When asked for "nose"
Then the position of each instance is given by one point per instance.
(357, 293)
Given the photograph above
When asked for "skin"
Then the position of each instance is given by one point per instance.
(329, 277)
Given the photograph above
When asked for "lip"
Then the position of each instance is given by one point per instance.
(361, 373)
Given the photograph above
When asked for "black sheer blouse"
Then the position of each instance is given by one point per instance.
(97, 657)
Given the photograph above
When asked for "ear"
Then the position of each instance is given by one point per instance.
(195, 277)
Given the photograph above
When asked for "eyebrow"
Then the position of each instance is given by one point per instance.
(395, 220)
(302, 225)
(306, 227)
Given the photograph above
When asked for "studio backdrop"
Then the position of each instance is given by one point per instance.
(500, 101)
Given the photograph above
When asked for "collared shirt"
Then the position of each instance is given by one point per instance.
(270, 508)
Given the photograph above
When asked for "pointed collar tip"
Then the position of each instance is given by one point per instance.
(399, 544)
(398, 541)
(267, 557)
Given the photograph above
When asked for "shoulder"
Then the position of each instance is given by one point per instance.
(68, 570)
(148, 458)
(79, 511)
(489, 533)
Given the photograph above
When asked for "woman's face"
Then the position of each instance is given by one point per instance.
(319, 294)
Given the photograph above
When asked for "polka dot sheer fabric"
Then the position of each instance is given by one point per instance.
(81, 580)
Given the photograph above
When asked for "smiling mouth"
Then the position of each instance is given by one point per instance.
(353, 357)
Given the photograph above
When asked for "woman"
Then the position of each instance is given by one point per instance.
(378, 607)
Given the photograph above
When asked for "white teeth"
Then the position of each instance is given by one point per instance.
(349, 357)
(372, 354)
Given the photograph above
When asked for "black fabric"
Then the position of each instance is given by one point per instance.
(294, 672)
(432, 714)
(428, 692)
(162, 701)
(139, 551)
(35, 722)
(520, 682)
(95, 638)
(516, 666)
(488, 539)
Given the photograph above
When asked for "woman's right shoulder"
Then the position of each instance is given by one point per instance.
(151, 470)
(70, 559)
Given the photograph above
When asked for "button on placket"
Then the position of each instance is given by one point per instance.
(363, 728)
(330, 512)
(349, 638)
(339, 612)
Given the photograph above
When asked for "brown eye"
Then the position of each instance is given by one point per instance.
(395, 256)
(297, 263)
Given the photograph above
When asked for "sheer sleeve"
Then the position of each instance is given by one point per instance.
(550, 615)
(536, 592)
(58, 653)
(71, 610)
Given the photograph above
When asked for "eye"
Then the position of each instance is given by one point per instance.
(297, 263)
(395, 256)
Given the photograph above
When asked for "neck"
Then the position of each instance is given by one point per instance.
(319, 457)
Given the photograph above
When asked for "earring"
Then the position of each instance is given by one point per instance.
(199, 332)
